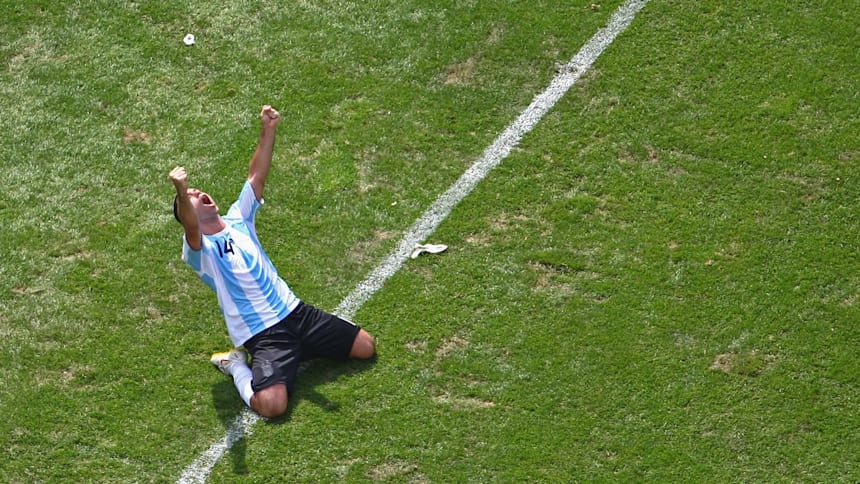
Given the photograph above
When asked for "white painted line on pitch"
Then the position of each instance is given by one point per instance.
(492, 156)
(199, 470)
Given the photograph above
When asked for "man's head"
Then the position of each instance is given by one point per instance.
(202, 203)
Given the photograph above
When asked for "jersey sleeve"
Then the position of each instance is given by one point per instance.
(245, 208)
(198, 261)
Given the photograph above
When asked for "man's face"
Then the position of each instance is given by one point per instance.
(203, 204)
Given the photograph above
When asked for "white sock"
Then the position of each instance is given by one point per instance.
(242, 377)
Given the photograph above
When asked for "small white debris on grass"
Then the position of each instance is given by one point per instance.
(429, 248)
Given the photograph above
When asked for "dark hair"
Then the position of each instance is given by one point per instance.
(176, 208)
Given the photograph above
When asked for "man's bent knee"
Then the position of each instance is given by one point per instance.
(363, 347)
(270, 402)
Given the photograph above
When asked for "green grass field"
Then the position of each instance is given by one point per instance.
(661, 283)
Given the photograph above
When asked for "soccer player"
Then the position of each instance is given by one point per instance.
(262, 313)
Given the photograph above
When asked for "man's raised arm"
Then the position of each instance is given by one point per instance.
(261, 162)
(184, 209)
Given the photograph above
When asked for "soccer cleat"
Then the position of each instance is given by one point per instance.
(224, 361)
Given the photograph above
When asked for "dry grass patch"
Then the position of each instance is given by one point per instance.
(394, 470)
(454, 344)
(462, 73)
(744, 363)
(463, 403)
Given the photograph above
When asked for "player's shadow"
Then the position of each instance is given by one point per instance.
(312, 373)
(319, 372)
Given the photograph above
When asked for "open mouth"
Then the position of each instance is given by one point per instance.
(206, 200)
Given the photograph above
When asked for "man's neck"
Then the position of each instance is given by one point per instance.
(212, 226)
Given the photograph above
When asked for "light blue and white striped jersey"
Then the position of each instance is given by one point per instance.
(251, 294)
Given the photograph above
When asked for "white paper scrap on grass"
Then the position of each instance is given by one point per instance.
(567, 76)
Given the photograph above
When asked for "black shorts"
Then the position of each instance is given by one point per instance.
(305, 334)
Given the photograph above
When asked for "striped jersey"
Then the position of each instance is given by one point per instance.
(251, 294)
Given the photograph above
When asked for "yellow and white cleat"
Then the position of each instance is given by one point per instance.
(224, 361)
